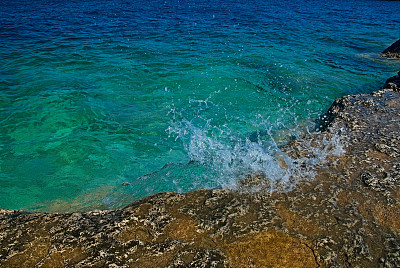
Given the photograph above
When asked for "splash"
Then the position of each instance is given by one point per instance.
(229, 157)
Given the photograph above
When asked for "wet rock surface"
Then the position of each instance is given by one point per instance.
(393, 51)
(346, 216)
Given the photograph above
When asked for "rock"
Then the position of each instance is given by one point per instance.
(347, 215)
(393, 83)
(393, 51)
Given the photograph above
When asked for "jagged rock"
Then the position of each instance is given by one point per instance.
(393, 51)
(345, 216)
(393, 83)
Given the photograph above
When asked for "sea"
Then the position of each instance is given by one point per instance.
(106, 102)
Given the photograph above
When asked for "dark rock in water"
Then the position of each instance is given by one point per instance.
(393, 51)
(393, 83)
(345, 216)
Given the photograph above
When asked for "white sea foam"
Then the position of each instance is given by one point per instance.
(229, 159)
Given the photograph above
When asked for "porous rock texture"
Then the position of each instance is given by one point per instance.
(346, 216)
(393, 51)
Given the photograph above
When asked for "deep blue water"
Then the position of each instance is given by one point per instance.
(171, 95)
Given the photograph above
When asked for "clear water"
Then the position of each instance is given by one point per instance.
(104, 102)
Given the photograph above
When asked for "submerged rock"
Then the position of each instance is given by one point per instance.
(393, 51)
(348, 215)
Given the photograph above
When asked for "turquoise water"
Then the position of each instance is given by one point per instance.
(105, 102)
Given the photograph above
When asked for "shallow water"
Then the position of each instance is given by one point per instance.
(171, 95)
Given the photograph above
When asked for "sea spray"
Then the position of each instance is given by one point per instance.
(228, 160)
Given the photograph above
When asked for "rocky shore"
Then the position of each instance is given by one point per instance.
(346, 216)
(393, 51)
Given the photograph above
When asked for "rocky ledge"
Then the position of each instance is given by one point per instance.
(393, 51)
(346, 216)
